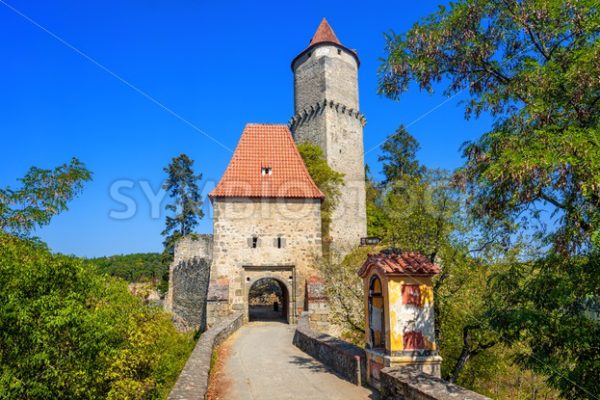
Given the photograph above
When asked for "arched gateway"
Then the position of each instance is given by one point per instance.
(269, 300)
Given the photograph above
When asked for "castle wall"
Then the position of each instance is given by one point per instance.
(236, 264)
(189, 275)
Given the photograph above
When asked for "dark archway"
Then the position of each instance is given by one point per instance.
(376, 313)
(268, 300)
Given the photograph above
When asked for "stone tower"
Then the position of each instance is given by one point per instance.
(327, 114)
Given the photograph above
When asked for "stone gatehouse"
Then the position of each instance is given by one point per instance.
(267, 209)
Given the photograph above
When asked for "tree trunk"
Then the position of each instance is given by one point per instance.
(465, 355)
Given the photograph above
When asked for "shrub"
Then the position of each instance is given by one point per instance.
(67, 331)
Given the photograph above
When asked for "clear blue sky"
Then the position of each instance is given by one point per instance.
(218, 65)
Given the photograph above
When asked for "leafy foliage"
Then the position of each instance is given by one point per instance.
(532, 65)
(139, 267)
(328, 181)
(554, 308)
(68, 332)
(182, 186)
(399, 156)
(43, 193)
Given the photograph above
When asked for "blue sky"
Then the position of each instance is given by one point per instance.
(206, 67)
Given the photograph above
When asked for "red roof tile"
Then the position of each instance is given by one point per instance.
(399, 263)
(266, 146)
(324, 33)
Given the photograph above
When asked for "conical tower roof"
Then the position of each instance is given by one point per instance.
(325, 35)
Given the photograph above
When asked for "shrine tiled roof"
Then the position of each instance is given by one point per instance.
(394, 262)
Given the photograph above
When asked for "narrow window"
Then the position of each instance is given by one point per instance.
(254, 242)
(376, 314)
(279, 243)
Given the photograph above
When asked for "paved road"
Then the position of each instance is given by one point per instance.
(260, 362)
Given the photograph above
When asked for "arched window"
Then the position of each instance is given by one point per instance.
(376, 313)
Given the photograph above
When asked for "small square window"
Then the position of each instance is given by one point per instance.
(266, 171)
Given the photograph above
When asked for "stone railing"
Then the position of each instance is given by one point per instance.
(193, 380)
(344, 358)
(409, 383)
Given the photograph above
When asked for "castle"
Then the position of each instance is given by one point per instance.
(267, 209)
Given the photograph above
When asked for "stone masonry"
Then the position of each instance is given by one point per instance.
(237, 264)
(327, 114)
(189, 275)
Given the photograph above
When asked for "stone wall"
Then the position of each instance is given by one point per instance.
(189, 275)
(192, 383)
(409, 383)
(190, 287)
(326, 113)
(344, 358)
(317, 305)
(237, 264)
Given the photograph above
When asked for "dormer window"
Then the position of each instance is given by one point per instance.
(266, 171)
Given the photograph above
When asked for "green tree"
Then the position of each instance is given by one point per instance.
(42, 194)
(377, 220)
(532, 65)
(138, 267)
(399, 156)
(182, 186)
(327, 180)
(68, 332)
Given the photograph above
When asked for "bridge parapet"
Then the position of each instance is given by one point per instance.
(344, 358)
(403, 383)
(192, 383)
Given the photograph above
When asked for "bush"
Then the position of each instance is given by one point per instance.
(67, 331)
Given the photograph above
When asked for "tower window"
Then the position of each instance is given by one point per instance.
(279, 242)
(254, 242)
(266, 171)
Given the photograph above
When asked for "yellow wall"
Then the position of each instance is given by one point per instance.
(395, 284)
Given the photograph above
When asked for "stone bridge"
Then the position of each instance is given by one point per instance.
(265, 360)
(260, 362)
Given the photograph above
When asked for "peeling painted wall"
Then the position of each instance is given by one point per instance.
(407, 318)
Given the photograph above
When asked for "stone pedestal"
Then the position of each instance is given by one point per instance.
(427, 362)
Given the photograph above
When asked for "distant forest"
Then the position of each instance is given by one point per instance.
(137, 267)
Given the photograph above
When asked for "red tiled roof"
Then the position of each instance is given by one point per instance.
(266, 146)
(399, 263)
(324, 33)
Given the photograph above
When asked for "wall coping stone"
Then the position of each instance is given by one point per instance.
(192, 382)
(409, 383)
(348, 360)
